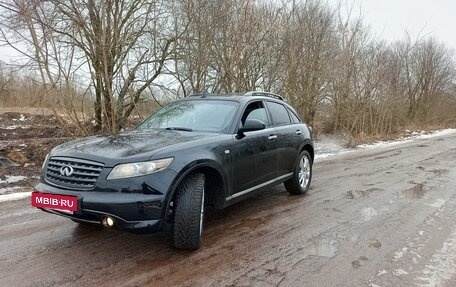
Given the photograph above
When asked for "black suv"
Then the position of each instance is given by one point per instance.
(204, 150)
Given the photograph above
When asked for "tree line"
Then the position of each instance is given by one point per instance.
(117, 55)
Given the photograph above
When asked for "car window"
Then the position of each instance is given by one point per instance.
(294, 117)
(256, 111)
(198, 115)
(279, 114)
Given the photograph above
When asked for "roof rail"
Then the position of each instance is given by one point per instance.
(264, 94)
(198, 95)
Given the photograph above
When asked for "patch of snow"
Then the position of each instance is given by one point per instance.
(399, 272)
(13, 178)
(14, 196)
(14, 127)
(399, 254)
(22, 118)
(438, 203)
(436, 134)
(329, 146)
(7, 190)
(410, 138)
(442, 265)
(368, 213)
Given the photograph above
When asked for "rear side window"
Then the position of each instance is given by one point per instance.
(279, 114)
(294, 118)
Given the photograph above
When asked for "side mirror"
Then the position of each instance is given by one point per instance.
(250, 126)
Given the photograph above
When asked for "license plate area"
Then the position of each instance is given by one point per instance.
(62, 203)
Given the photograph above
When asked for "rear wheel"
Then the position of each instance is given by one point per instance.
(186, 230)
(302, 175)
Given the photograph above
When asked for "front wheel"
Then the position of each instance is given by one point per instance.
(302, 175)
(188, 213)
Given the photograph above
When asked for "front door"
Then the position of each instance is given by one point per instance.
(255, 158)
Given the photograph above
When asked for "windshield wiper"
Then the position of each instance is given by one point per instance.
(178, 129)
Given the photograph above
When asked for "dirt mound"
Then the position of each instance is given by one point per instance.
(25, 139)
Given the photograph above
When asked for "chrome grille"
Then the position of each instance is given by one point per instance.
(84, 173)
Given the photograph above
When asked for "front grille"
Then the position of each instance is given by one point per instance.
(83, 177)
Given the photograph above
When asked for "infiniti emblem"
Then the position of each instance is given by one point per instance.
(66, 170)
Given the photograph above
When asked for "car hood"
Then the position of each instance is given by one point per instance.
(127, 146)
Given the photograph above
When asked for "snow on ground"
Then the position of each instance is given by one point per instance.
(410, 138)
(13, 178)
(14, 196)
(325, 148)
(442, 265)
(328, 147)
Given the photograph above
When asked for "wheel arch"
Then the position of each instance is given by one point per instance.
(307, 146)
(216, 183)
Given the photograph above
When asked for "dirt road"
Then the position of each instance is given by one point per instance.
(382, 217)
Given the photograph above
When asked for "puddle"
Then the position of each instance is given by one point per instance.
(250, 223)
(324, 247)
(375, 243)
(352, 194)
(373, 189)
(360, 262)
(416, 191)
(368, 213)
(439, 172)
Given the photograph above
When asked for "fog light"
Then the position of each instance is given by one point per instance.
(107, 222)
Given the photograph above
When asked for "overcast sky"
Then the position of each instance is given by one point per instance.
(389, 19)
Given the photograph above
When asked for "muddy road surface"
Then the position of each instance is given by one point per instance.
(380, 217)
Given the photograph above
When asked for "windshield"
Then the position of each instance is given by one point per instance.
(198, 115)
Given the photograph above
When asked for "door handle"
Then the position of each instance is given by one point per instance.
(272, 137)
(298, 132)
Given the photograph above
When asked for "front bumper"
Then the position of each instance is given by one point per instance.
(130, 211)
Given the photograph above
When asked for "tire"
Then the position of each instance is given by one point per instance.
(302, 175)
(186, 230)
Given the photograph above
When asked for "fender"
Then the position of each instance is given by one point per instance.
(189, 168)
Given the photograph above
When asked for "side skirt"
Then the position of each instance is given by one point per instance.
(270, 182)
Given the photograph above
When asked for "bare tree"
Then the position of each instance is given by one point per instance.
(113, 54)
(310, 46)
(428, 72)
(228, 46)
(117, 48)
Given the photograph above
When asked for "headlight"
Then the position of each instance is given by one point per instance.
(139, 168)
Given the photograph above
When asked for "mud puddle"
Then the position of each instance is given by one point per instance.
(324, 247)
(417, 191)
